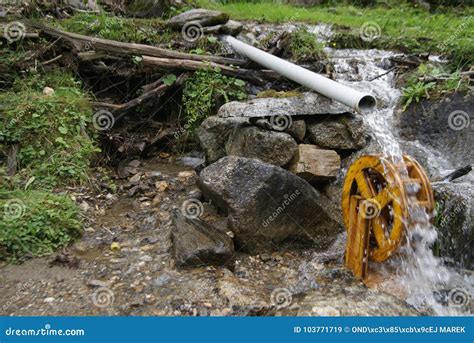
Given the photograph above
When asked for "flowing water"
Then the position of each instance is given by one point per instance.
(420, 274)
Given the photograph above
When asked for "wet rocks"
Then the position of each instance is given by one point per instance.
(445, 125)
(196, 242)
(455, 214)
(267, 204)
(304, 104)
(342, 133)
(214, 133)
(273, 147)
(199, 16)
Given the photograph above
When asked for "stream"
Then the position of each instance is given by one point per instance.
(123, 264)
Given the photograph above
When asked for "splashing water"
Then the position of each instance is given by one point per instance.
(419, 272)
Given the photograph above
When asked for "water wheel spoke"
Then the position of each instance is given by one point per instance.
(364, 185)
(382, 198)
(378, 229)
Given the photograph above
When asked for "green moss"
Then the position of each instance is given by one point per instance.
(54, 132)
(35, 223)
(271, 93)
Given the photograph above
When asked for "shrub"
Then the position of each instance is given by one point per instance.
(53, 131)
(205, 91)
(35, 223)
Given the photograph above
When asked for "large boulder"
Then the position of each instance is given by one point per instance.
(197, 243)
(273, 147)
(304, 104)
(267, 205)
(200, 16)
(214, 133)
(454, 218)
(444, 125)
(342, 133)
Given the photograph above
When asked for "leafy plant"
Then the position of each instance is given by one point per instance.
(53, 131)
(35, 223)
(431, 80)
(205, 90)
(303, 46)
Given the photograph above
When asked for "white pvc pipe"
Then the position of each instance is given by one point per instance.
(361, 102)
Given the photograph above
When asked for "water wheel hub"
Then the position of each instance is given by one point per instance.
(381, 199)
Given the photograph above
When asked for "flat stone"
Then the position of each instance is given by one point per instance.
(314, 164)
(304, 104)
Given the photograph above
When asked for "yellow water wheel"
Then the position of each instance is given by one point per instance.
(378, 201)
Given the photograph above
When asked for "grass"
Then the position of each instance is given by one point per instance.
(402, 27)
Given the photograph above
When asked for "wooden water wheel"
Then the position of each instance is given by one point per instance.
(379, 200)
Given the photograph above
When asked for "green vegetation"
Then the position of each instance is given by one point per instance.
(303, 47)
(271, 93)
(35, 223)
(432, 81)
(205, 91)
(56, 144)
(145, 31)
(403, 27)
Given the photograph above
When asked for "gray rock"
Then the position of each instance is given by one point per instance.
(273, 147)
(342, 133)
(146, 8)
(201, 16)
(305, 104)
(214, 133)
(268, 205)
(232, 28)
(354, 300)
(455, 214)
(445, 125)
(196, 242)
(297, 130)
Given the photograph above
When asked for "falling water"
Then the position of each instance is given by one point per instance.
(419, 273)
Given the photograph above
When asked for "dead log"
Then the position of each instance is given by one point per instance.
(120, 110)
(111, 47)
(314, 164)
(254, 76)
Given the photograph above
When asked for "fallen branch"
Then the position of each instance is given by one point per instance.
(80, 42)
(260, 77)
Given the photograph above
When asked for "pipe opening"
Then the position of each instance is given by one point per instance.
(366, 104)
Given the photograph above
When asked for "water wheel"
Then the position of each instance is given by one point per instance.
(380, 200)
